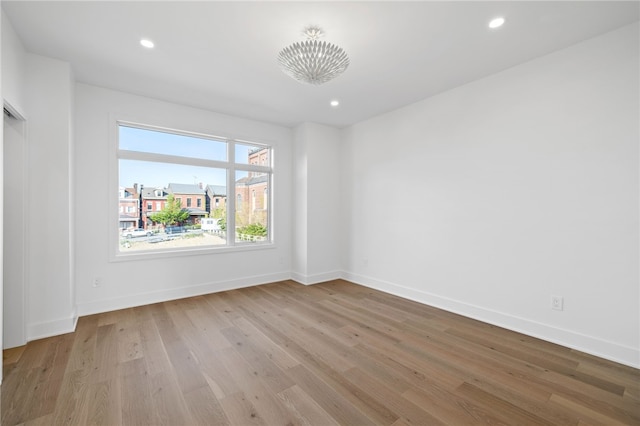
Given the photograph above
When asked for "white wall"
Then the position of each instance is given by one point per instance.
(14, 226)
(488, 199)
(13, 64)
(324, 210)
(48, 94)
(300, 269)
(14, 173)
(317, 223)
(130, 283)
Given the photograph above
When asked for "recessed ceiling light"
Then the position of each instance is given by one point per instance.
(496, 22)
(147, 43)
(335, 103)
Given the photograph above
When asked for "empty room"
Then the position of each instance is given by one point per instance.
(320, 213)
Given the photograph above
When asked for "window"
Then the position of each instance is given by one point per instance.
(251, 222)
(163, 161)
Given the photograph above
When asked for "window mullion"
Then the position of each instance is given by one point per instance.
(172, 159)
(253, 168)
(231, 196)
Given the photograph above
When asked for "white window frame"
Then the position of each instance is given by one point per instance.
(231, 167)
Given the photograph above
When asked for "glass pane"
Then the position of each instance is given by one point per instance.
(143, 140)
(252, 206)
(170, 206)
(251, 154)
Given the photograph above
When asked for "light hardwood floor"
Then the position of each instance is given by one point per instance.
(287, 354)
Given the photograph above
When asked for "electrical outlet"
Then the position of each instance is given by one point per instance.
(557, 303)
(97, 282)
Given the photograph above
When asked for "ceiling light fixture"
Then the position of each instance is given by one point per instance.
(335, 103)
(313, 61)
(496, 22)
(147, 43)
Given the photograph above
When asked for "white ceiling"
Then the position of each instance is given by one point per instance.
(221, 56)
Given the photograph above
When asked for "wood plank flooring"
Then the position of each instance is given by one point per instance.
(286, 354)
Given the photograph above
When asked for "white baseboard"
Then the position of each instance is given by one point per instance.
(52, 328)
(130, 301)
(316, 278)
(605, 349)
(609, 350)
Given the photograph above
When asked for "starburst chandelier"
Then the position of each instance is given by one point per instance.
(313, 61)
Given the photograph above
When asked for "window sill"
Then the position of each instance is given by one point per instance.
(174, 253)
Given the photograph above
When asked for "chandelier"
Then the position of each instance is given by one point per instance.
(313, 61)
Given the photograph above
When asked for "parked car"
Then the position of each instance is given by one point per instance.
(174, 229)
(140, 232)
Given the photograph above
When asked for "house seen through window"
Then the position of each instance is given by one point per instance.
(185, 177)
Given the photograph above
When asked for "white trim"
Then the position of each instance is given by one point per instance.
(191, 251)
(602, 348)
(230, 202)
(158, 296)
(52, 328)
(26, 229)
(171, 159)
(176, 132)
(316, 278)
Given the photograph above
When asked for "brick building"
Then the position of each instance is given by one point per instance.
(191, 198)
(216, 200)
(129, 208)
(152, 201)
(252, 192)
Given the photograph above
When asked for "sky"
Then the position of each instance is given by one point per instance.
(159, 175)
